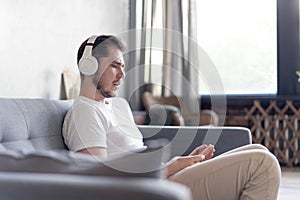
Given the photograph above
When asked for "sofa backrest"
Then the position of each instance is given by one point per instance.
(184, 139)
(32, 124)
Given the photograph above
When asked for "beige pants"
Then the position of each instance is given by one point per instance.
(248, 172)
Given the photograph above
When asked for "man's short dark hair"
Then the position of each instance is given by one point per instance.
(101, 45)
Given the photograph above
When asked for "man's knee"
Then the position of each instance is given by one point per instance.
(270, 163)
(259, 146)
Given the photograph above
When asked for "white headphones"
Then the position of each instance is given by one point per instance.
(88, 64)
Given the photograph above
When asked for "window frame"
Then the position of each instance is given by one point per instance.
(288, 46)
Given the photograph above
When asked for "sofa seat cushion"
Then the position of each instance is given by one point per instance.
(140, 164)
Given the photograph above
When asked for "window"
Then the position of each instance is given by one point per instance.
(253, 44)
(241, 39)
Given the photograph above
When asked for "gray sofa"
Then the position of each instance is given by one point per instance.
(35, 163)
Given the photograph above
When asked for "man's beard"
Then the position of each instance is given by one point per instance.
(103, 89)
(107, 94)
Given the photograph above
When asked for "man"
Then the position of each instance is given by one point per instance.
(102, 125)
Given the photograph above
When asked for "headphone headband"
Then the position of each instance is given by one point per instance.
(89, 45)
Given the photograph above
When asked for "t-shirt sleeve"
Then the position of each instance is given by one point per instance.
(86, 128)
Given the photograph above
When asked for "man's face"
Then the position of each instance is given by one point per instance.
(110, 73)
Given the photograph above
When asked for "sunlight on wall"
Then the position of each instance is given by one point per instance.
(39, 40)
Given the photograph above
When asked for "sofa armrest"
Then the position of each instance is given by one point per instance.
(183, 139)
(35, 186)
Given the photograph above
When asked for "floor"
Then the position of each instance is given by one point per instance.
(290, 184)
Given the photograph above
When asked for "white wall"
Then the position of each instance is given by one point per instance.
(39, 39)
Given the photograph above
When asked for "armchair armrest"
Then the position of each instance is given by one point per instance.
(165, 115)
(207, 117)
(183, 139)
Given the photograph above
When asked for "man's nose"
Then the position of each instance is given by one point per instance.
(121, 72)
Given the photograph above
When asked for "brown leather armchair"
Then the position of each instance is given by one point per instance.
(172, 108)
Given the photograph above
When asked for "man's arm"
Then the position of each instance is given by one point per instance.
(99, 152)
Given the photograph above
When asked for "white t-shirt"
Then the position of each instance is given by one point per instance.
(90, 123)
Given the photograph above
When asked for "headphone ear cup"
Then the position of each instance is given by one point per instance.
(88, 65)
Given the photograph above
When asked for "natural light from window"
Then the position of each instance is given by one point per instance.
(240, 36)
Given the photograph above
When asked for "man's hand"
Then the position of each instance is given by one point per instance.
(206, 150)
(180, 162)
(199, 154)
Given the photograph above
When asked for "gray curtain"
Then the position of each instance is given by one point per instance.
(176, 40)
(181, 56)
(134, 59)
